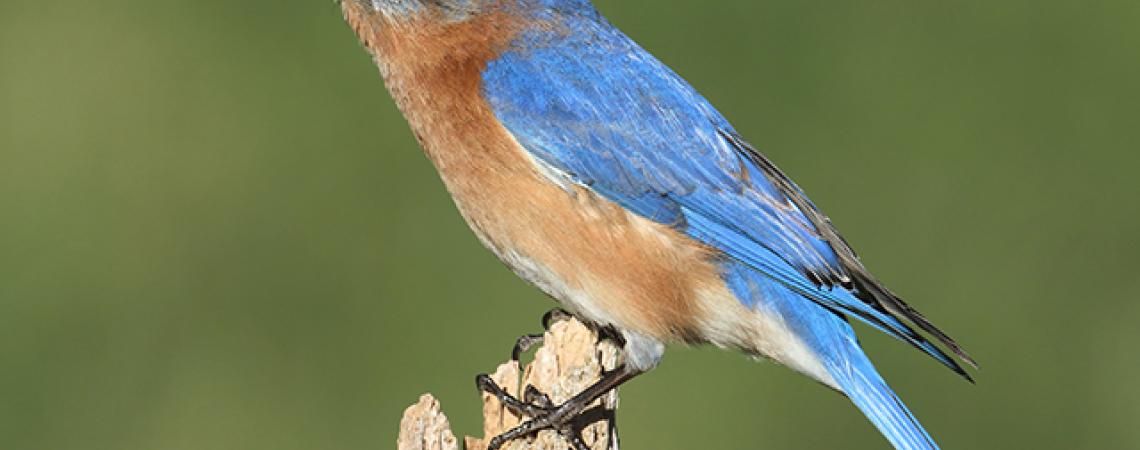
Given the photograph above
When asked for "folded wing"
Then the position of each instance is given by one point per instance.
(595, 107)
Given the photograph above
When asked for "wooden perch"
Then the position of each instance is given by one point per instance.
(570, 359)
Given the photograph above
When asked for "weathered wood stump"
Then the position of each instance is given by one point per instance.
(570, 359)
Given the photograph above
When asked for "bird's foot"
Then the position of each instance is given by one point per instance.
(527, 341)
(542, 411)
(553, 316)
(547, 416)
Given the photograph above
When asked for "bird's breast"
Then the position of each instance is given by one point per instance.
(600, 260)
(608, 264)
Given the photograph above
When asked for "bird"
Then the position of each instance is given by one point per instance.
(596, 173)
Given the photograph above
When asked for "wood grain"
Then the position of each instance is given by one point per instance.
(570, 359)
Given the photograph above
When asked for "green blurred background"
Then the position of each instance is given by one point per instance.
(216, 231)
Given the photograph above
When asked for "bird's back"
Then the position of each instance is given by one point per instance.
(605, 179)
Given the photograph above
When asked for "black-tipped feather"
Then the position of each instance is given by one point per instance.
(854, 276)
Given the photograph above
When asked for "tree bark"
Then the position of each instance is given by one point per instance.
(570, 359)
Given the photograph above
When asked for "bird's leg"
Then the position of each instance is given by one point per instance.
(535, 397)
(538, 406)
(544, 415)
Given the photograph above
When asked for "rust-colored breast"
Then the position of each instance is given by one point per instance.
(610, 265)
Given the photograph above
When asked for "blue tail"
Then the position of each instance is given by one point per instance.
(833, 340)
(858, 379)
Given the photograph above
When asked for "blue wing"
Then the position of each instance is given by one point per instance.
(593, 105)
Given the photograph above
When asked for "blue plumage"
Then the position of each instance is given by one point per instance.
(733, 252)
(591, 104)
(596, 106)
(834, 341)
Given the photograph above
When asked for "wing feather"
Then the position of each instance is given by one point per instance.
(596, 107)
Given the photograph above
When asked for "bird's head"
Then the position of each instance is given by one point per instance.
(461, 9)
(413, 36)
(400, 10)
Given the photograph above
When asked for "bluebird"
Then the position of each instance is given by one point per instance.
(600, 176)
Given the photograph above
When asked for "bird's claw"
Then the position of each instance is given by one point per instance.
(524, 344)
(528, 341)
(535, 397)
(553, 316)
(542, 411)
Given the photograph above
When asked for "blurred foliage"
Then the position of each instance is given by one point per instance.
(217, 232)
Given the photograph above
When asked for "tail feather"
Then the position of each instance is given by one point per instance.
(862, 384)
(832, 340)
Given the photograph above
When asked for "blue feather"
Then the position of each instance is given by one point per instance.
(594, 105)
(834, 342)
(587, 102)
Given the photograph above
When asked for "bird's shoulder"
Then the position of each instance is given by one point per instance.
(600, 110)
